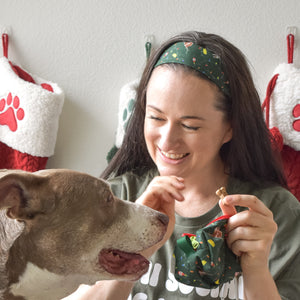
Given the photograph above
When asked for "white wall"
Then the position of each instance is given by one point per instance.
(93, 47)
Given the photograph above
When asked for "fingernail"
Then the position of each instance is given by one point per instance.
(226, 200)
(180, 199)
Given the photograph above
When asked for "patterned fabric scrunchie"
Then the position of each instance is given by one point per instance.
(204, 260)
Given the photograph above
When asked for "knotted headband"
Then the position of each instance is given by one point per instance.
(198, 58)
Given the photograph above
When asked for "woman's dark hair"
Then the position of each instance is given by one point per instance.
(248, 156)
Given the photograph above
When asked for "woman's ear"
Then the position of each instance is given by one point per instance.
(228, 134)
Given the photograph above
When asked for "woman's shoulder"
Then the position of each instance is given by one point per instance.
(130, 185)
(132, 177)
(273, 196)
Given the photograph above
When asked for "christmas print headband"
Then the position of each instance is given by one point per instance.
(199, 59)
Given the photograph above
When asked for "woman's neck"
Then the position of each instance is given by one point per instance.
(200, 194)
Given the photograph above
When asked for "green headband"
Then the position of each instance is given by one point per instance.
(199, 59)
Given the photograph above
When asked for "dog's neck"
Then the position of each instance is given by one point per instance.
(18, 277)
(51, 286)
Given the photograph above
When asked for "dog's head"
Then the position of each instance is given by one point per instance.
(74, 225)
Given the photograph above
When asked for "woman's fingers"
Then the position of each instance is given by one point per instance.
(252, 202)
(250, 232)
(167, 187)
(249, 218)
(227, 209)
(161, 191)
(254, 250)
(169, 184)
(245, 231)
(257, 216)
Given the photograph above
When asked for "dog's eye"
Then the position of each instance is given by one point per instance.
(30, 216)
(35, 214)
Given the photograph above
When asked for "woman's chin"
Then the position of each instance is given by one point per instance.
(170, 171)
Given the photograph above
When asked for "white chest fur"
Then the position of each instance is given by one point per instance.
(37, 284)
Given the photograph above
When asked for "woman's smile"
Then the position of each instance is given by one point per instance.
(172, 157)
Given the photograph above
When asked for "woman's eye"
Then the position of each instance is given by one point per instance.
(155, 118)
(190, 127)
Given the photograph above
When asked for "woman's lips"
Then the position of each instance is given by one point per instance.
(172, 157)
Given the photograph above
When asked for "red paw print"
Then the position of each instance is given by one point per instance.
(296, 114)
(10, 112)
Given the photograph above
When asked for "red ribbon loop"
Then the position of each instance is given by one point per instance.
(290, 47)
(5, 44)
(266, 103)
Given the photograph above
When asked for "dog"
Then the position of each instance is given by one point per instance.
(61, 228)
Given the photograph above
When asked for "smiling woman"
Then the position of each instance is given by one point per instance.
(197, 125)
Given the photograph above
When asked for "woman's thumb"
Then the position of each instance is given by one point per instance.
(227, 209)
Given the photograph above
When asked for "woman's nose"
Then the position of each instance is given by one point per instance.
(170, 136)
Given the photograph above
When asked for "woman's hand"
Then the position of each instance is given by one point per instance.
(160, 195)
(250, 232)
(250, 236)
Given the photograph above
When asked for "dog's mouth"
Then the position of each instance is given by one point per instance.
(118, 262)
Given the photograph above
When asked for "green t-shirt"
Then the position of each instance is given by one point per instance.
(159, 282)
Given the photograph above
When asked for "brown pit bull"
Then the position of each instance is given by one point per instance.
(61, 228)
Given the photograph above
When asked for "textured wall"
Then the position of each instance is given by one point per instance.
(93, 47)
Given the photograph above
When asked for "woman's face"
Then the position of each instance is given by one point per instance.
(183, 130)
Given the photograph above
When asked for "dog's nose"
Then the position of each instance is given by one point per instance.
(163, 219)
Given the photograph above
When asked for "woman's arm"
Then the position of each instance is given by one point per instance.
(250, 236)
(260, 285)
(102, 290)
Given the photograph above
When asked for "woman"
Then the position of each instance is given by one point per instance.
(197, 126)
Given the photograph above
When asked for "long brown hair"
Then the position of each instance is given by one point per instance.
(248, 156)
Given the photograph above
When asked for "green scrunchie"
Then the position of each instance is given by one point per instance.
(208, 262)
(198, 58)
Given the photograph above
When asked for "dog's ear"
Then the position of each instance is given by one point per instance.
(15, 195)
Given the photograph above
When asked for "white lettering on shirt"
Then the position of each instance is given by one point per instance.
(151, 278)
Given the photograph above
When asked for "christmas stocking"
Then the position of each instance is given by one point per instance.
(126, 105)
(29, 115)
(282, 104)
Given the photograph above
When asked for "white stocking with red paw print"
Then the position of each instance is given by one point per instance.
(282, 106)
(29, 113)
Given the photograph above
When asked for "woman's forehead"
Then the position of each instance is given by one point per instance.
(168, 82)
